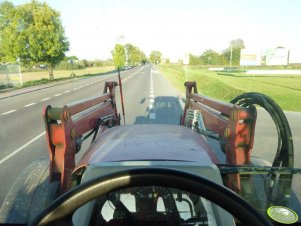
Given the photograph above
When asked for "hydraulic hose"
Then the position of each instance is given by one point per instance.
(285, 152)
(279, 187)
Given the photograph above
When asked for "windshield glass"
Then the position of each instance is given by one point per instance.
(55, 53)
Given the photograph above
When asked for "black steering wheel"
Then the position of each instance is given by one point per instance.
(63, 207)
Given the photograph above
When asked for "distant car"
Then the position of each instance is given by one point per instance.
(42, 66)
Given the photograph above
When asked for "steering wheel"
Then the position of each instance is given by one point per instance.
(61, 209)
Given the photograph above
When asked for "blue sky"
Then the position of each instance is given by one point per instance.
(176, 27)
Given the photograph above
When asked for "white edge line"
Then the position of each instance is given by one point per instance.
(131, 75)
(5, 113)
(21, 148)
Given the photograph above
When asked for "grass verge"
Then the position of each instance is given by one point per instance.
(286, 91)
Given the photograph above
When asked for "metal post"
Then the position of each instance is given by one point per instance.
(121, 96)
(20, 75)
(230, 56)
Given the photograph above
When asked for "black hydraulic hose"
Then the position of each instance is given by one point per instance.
(278, 189)
(285, 152)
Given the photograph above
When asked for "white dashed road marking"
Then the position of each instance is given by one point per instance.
(56, 95)
(28, 105)
(8, 112)
(152, 115)
(46, 99)
(74, 89)
(132, 75)
(67, 91)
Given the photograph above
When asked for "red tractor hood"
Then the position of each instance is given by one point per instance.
(148, 142)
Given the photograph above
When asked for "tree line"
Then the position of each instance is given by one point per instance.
(130, 55)
(211, 57)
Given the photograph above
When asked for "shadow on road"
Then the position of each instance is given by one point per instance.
(166, 110)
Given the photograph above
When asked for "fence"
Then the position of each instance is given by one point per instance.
(10, 75)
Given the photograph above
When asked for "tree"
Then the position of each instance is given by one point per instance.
(134, 55)
(119, 56)
(236, 45)
(32, 33)
(210, 57)
(155, 57)
(195, 60)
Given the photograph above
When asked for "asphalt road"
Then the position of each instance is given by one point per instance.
(149, 98)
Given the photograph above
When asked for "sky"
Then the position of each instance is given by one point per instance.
(178, 27)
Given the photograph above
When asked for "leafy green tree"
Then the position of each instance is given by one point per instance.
(7, 15)
(236, 45)
(210, 57)
(33, 33)
(134, 55)
(195, 60)
(155, 57)
(142, 58)
(119, 56)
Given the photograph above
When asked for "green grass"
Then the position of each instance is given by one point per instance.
(286, 91)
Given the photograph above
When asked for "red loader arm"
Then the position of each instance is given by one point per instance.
(66, 125)
(234, 124)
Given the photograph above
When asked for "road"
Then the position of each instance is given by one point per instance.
(149, 98)
(22, 127)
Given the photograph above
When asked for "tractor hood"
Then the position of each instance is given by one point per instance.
(148, 142)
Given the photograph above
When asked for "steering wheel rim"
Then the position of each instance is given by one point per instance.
(65, 205)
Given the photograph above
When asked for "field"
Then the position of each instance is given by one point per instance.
(33, 78)
(286, 91)
(30, 76)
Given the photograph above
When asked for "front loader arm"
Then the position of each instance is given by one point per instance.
(65, 127)
(234, 125)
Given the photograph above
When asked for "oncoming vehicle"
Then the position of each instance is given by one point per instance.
(197, 173)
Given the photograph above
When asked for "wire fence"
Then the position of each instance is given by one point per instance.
(10, 75)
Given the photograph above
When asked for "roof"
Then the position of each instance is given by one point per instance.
(149, 142)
